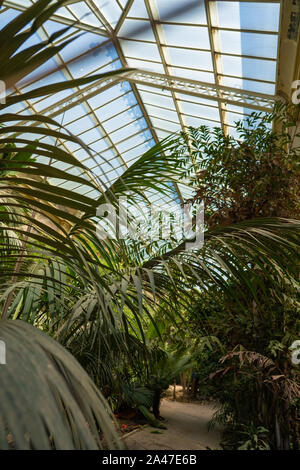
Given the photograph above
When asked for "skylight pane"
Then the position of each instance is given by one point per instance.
(198, 110)
(193, 74)
(14, 108)
(231, 118)
(146, 65)
(196, 99)
(53, 26)
(183, 11)
(161, 133)
(110, 9)
(166, 125)
(107, 111)
(90, 136)
(260, 45)
(99, 145)
(100, 61)
(138, 10)
(73, 113)
(110, 94)
(249, 68)
(83, 13)
(240, 109)
(83, 44)
(120, 120)
(134, 140)
(157, 99)
(7, 16)
(128, 130)
(249, 85)
(162, 113)
(132, 154)
(64, 13)
(196, 122)
(40, 105)
(186, 36)
(140, 50)
(41, 75)
(137, 29)
(189, 58)
(80, 125)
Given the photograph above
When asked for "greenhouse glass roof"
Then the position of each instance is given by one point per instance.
(195, 62)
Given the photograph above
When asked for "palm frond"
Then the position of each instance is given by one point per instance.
(50, 402)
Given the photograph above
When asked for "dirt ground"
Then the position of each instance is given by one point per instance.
(187, 425)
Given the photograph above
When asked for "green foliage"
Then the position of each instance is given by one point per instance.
(254, 174)
(257, 316)
(98, 298)
(165, 367)
(50, 402)
(251, 438)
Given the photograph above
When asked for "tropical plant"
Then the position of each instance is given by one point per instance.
(57, 405)
(251, 438)
(254, 174)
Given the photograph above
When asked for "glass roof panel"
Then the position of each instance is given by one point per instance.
(187, 49)
(162, 113)
(140, 50)
(200, 110)
(249, 85)
(253, 44)
(196, 99)
(110, 9)
(138, 10)
(146, 65)
(249, 68)
(248, 15)
(182, 11)
(52, 26)
(112, 93)
(136, 139)
(137, 29)
(186, 36)
(158, 99)
(164, 124)
(83, 44)
(122, 119)
(65, 13)
(7, 16)
(120, 104)
(193, 74)
(190, 58)
(85, 14)
(129, 129)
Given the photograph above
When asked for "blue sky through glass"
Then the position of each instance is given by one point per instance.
(123, 121)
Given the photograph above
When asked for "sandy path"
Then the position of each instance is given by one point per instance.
(187, 429)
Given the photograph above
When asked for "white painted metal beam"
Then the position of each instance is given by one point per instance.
(235, 96)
